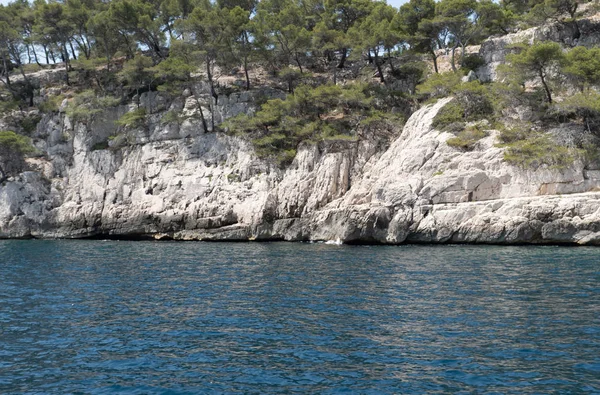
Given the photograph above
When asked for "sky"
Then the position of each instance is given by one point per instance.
(396, 3)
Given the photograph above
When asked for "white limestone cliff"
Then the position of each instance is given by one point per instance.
(180, 181)
(209, 186)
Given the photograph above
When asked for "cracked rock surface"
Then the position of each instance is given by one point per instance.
(182, 182)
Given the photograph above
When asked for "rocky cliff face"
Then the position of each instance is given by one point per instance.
(181, 182)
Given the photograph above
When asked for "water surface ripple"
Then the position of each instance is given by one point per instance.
(192, 318)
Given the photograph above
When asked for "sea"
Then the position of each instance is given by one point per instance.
(142, 317)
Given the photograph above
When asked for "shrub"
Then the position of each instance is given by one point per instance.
(7, 105)
(472, 62)
(100, 146)
(29, 123)
(51, 104)
(31, 68)
(510, 135)
(472, 102)
(582, 107)
(439, 85)
(536, 151)
(133, 119)
(411, 72)
(13, 149)
(467, 138)
(171, 117)
(451, 114)
(475, 99)
(291, 77)
(87, 104)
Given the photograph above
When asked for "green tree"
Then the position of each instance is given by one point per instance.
(54, 28)
(207, 28)
(342, 15)
(411, 14)
(326, 42)
(309, 114)
(537, 61)
(416, 21)
(239, 33)
(562, 11)
(137, 74)
(23, 19)
(142, 20)
(583, 65)
(106, 36)
(12, 47)
(584, 106)
(177, 72)
(285, 26)
(13, 149)
(457, 17)
(78, 12)
(246, 5)
(9, 43)
(375, 34)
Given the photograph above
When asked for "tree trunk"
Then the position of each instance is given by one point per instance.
(335, 75)
(245, 49)
(35, 56)
(5, 65)
(107, 57)
(46, 54)
(209, 76)
(65, 54)
(246, 72)
(202, 118)
(298, 62)
(88, 47)
(576, 32)
(72, 51)
(3, 175)
(157, 50)
(27, 82)
(378, 65)
(548, 93)
(170, 30)
(7, 82)
(343, 59)
(434, 59)
(453, 62)
(213, 92)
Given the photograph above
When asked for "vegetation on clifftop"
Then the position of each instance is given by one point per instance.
(349, 68)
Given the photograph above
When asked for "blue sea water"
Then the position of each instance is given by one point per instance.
(106, 317)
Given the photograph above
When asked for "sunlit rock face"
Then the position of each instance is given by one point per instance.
(181, 181)
(494, 50)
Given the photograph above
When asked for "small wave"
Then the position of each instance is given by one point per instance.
(336, 242)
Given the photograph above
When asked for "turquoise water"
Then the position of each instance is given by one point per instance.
(186, 318)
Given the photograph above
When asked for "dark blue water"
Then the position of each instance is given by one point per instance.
(186, 318)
